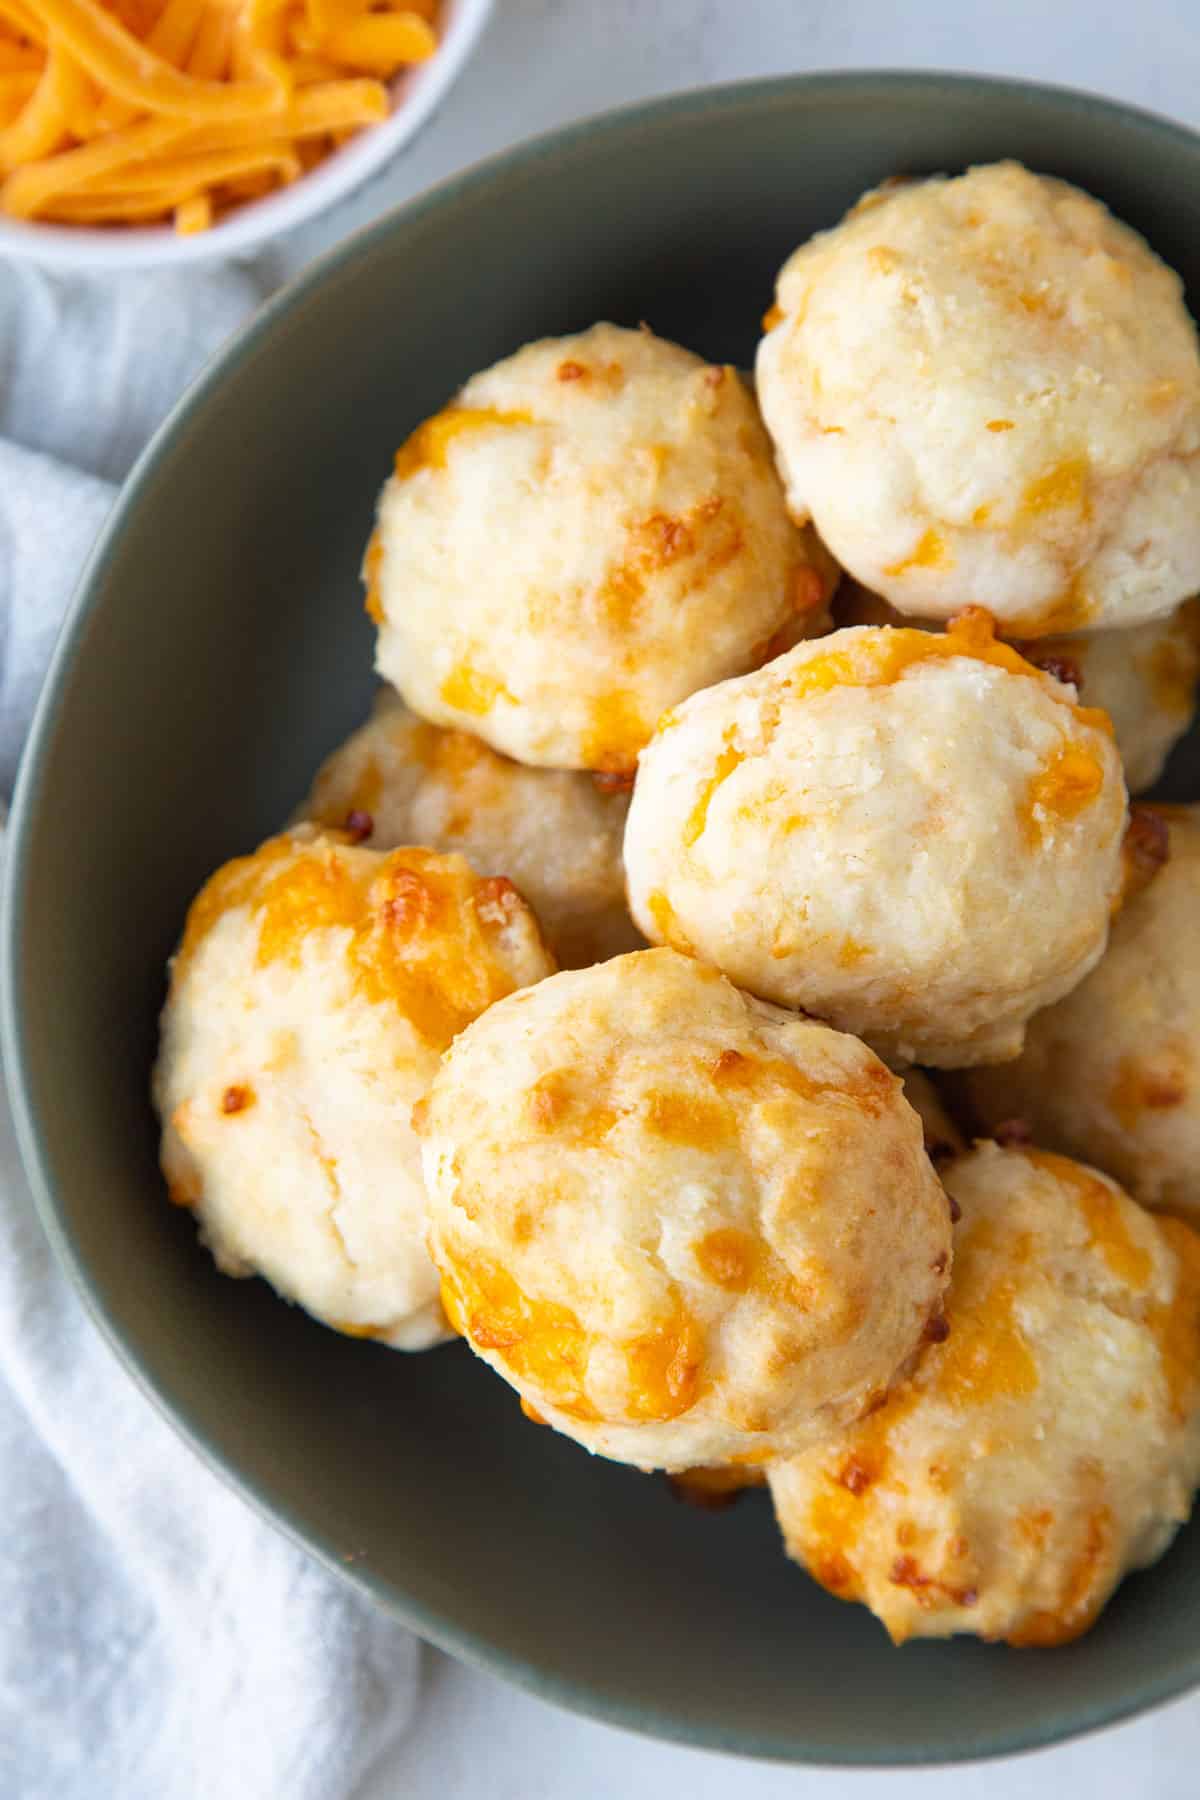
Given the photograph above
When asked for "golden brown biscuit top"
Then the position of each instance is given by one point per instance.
(421, 930)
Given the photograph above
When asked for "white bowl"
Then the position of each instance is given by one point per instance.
(415, 96)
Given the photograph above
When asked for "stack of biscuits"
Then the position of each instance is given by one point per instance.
(725, 981)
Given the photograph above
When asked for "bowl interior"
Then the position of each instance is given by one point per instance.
(218, 650)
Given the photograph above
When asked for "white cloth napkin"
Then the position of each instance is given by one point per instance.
(157, 1641)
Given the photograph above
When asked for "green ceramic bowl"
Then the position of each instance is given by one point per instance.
(216, 651)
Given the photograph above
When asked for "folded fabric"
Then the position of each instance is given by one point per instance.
(50, 515)
(158, 1641)
(88, 370)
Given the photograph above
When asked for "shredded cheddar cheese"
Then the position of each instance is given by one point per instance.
(156, 111)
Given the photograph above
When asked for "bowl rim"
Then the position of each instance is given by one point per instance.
(417, 93)
(467, 1646)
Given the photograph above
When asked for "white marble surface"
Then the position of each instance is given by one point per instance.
(544, 62)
